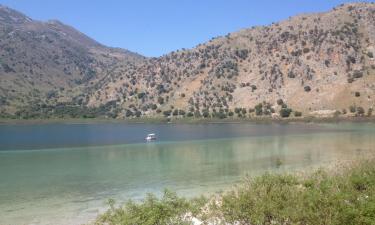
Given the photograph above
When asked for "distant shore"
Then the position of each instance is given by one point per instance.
(160, 120)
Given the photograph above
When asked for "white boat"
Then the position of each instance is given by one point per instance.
(150, 137)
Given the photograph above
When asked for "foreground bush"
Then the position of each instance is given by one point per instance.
(170, 209)
(345, 197)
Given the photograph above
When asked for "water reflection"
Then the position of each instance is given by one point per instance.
(75, 179)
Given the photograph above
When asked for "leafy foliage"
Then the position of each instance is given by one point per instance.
(346, 196)
(170, 209)
(285, 112)
(319, 199)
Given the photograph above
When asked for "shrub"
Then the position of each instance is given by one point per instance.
(167, 113)
(160, 100)
(221, 115)
(181, 112)
(352, 109)
(369, 112)
(141, 95)
(357, 74)
(170, 209)
(370, 54)
(253, 87)
(205, 114)
(306, 50)
(175, 112)
(327, 62)
(259, 109)
(7, 68)
(360, 111)
(51, 94)
(285, 112)
(297, 114)
(291, 74)
(242, 54)
(357, 94)
(307, 88)
(345, 197)
(128, 113)
(280, 101)
(316, 200)
(197, 113)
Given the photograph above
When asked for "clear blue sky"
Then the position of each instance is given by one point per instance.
(156, 27)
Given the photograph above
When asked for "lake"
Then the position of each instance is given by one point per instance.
(64, 173)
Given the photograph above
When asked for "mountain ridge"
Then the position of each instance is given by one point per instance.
(289, 65)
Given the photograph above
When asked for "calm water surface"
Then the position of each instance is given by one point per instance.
(63, 173)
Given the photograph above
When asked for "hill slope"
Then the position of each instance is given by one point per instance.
(41, 61)
(312, 63)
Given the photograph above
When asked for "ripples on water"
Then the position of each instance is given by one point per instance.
(64, 173)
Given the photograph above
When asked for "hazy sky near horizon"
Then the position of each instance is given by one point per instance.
(153, 28)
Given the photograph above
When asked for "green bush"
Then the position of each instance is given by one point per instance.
(170, 209)
(346, 196)
(128, 113)
(205, 114)
(141, 95)
(167, 113)
(369, 112)
(319, 199)
(307, 88)
(259, 109)
(297, 114)
(357, 74)
(285, 112)
(221, 115)
(360, 111)
(138, 113)
(160, 100)
(181, 112)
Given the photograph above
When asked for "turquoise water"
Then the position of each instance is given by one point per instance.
(63, 174)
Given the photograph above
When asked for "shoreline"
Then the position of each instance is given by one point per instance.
(229, 206)
(158, 120)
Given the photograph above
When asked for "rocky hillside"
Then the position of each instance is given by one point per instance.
(44, 62)
(311, 64)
